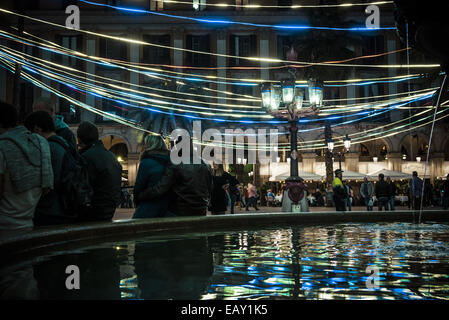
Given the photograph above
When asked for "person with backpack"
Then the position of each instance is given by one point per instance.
(189, 185)
(153, 161)
(104, 171)
(51, 208)
(25, 172)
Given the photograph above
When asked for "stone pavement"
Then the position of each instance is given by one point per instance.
(123, 213)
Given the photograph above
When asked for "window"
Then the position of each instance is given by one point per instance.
(198, 43)
(72, 43)
(113, 2)
(285, 3)
(283, 44)
(242, 46)
(364, 150)
(156, 55)
(243, 89)
(112, 106)
(70, 112)
(113, 49)
(156, 5)
(374, 45)
(199, 5)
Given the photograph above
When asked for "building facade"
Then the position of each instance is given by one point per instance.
(398, 152)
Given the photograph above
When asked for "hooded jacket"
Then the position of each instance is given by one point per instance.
(191, 185)
(28, 159)
(151, 169)
(63, 130)
(105, 177)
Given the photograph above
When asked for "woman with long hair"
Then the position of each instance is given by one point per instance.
(153, 161)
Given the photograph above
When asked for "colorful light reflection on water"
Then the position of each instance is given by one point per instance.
(301, 262)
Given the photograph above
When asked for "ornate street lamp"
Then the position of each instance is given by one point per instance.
(285, 100)
(346, 143)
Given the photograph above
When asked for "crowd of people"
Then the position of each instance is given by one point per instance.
(48, 177)
(384, 193)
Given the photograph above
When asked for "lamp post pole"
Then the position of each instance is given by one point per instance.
(294, 150)
(285, 101)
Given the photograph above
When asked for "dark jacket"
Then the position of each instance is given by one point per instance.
(191, 185)
(105, 177)
(219, 199)
(446, 189)
(151, 169)
(382, 189)
(49, 210)
(63, 130)
(392, 189)
(233, 184)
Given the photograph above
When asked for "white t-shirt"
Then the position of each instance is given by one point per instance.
(16, 209)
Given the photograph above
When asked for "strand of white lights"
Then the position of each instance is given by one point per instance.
(128, 123)
(112, 94)
(296, 6)
(258, 59)
(177, 109)
(320, 142)
(382, 96)
(98, 60)
(44, 86)
(48, 65)
(334, 110)
(382, 135)
(100, 90)
(222, 22)
(195, 101)
(253, 81)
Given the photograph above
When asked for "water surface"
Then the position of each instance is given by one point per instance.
(345, 261)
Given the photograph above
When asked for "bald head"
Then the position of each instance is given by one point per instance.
(45, 104)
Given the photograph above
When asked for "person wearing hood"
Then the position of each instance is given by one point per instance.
(61, 128)
(105, 174)
(153, 161)
(190, 183)
(25, 172)
(50, 210)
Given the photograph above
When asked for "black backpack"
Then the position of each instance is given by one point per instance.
(75, 190)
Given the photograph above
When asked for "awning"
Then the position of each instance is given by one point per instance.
(307, 176)
(395, 175)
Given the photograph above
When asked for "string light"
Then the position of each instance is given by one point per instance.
(85, 80)
(252, 82)
(303, 120)
(232, 115)
(252, 6)
(129, 123)
(259, 59)
(102, 92)
(229, 22)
